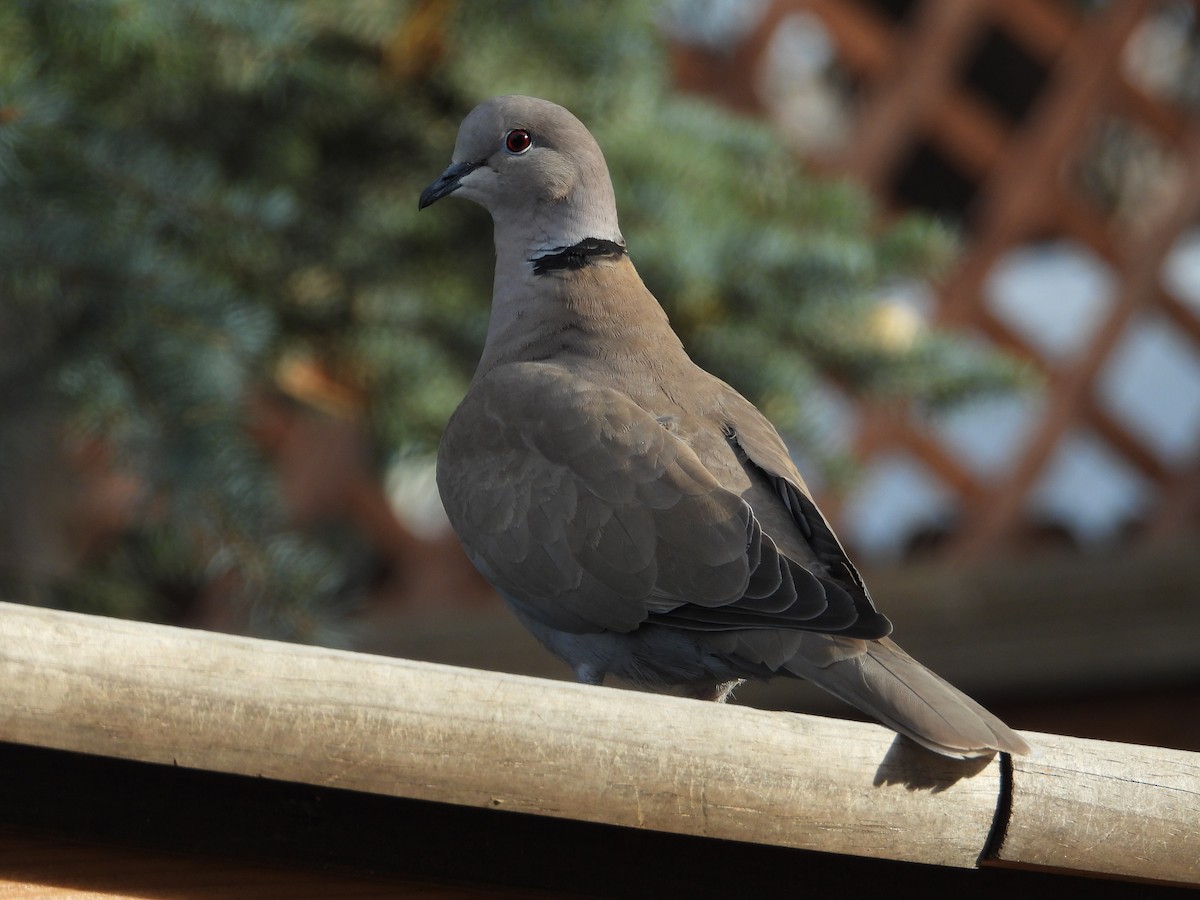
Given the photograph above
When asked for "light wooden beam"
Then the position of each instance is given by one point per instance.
(1115, 809)
(395, 727)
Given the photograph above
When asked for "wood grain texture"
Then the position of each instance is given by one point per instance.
(424, 731)
(1114, 809)
(400, 728)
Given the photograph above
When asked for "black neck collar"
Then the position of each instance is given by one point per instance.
(577, 255)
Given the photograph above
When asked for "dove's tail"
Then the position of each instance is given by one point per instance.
(888, 684)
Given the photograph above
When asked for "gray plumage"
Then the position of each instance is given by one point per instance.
(640, 516)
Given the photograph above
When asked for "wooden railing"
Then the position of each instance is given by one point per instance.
(399, 728)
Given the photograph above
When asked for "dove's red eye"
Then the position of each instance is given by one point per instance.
(517, 141)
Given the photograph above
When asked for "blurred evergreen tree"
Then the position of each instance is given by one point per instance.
(197, 194)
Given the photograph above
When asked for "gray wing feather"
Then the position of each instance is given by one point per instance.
(580, 505)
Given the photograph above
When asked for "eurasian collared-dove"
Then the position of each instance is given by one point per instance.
(640, 516)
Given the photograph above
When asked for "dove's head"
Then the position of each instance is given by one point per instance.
(536, 169)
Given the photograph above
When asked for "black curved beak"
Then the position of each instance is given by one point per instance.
(447, 183)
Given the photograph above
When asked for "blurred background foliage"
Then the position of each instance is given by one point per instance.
(208, 215)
